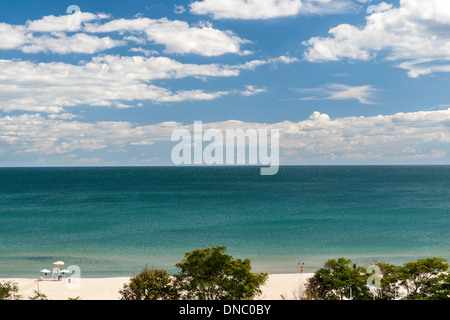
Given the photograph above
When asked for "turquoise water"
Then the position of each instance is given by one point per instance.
(112, 221)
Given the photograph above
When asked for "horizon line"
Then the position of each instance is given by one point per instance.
(227, 166)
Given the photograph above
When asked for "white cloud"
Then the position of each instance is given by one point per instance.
(49, 24)
(268, 9)
(380, 138)
(38, 135)
(103, 81)
(35, 134)
(321, 7)
(250, 9)
(251, 90)
(253, 64)
(144, 51)
(54, 34)
(63, 116)
(11, 37)
(415, 33)
(177, 36)
(78, 43)
(49, 35)
(363, 94)
(401, 137)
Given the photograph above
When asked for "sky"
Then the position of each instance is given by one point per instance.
(106, 83)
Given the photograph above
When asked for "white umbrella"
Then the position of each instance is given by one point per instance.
(65, 271)
(45, 271)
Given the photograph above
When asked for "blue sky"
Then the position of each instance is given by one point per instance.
(344, 84)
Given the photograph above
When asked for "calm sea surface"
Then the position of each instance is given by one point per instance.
(112, 221)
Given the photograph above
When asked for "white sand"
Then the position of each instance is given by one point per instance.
(288, 285)
(285, 286)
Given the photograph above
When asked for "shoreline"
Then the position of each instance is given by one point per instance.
(278, 287)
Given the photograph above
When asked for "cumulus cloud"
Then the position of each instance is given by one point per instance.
(368, 138)
(414, 136)
(322, 7)
(63, 44)
(49, 24)
(268, 9)
(415, 34)
(104, 81)
(177, 36)
(50, 34)
(11, 37)
(55, 35)
(251, 9)
(33, 133)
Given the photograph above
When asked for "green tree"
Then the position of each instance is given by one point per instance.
(425, 279)
(8, 290)
(210, 274)
(390, 281)
(439, 289)
(38, 296)
(150, 284)
(335, 279)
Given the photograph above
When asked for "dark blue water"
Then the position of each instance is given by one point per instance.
(112, 221)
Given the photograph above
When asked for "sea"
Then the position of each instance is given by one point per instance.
(113, 221)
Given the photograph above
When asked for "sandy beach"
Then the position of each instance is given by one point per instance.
(278, 287)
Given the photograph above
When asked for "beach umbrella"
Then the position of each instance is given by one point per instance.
(45, 271)
(65, 271)
(58, 263)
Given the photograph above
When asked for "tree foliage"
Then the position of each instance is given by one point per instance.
(205, 274)
(390, 281)
(150, 284)
(38, 296)
(335, 279)
(424, 279)
(210, 274)
(8, 290)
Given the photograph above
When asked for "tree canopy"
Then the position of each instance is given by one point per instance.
(210, 274)
(150, 284)
(424, 279)
(205, 274)
(8, 290)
